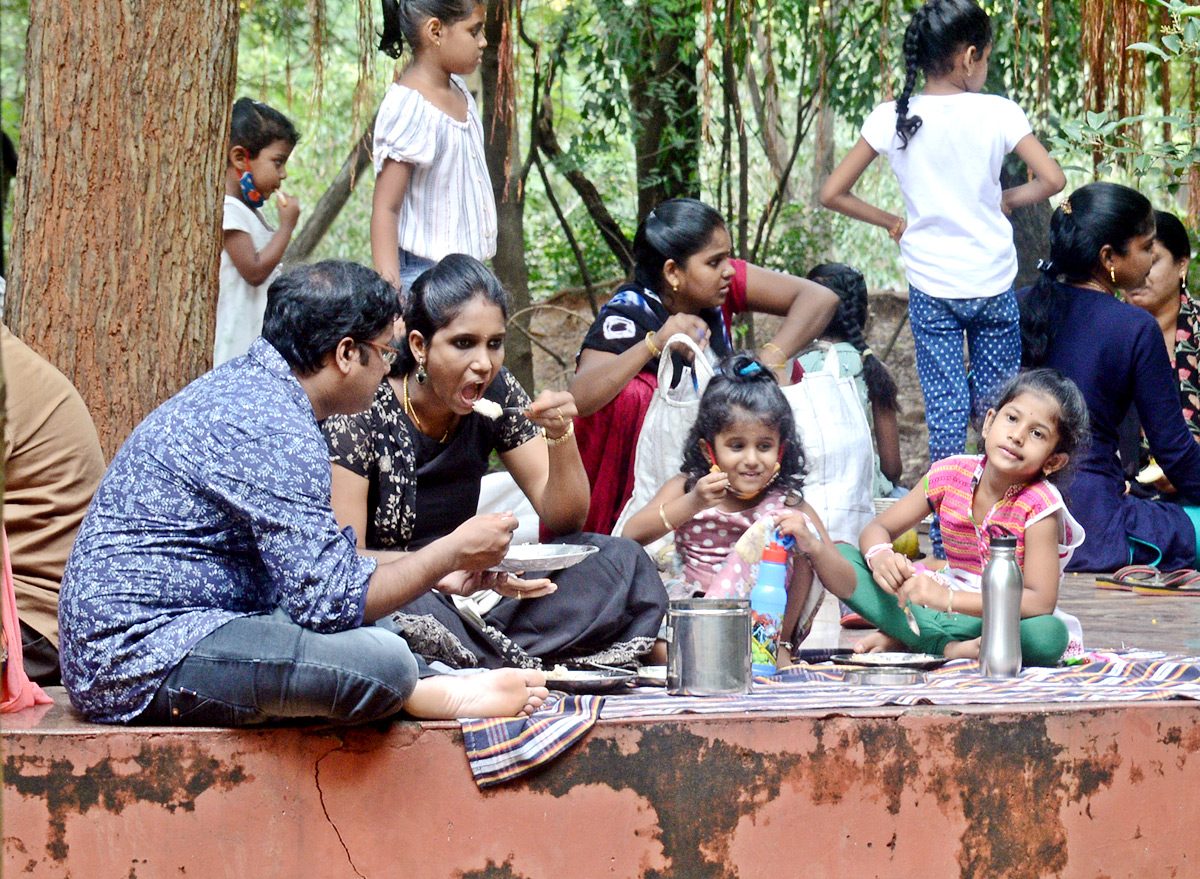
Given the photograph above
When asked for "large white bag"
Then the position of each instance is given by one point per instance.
(838, 452)
(669, 417)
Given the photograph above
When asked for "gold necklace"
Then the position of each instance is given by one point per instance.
(412, 413)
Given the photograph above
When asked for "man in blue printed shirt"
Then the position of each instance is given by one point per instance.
(209, 583)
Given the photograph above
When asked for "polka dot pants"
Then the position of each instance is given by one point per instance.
(991, 327)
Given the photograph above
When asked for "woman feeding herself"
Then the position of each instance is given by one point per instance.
(407, 471)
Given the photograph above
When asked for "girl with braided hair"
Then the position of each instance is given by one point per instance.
(876, 388)
(946, 145)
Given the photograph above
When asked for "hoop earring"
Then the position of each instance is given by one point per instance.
(422, 375)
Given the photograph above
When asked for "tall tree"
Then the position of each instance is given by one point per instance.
(502, 149)
(117, 221)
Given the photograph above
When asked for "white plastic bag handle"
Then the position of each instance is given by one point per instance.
(700, 365)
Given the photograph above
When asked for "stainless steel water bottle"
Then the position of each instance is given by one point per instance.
(1000, 650)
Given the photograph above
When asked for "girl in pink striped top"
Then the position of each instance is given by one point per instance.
(1038, 422)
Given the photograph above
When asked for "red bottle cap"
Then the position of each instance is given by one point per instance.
(775, 553)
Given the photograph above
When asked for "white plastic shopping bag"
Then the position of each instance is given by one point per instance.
(669, 417)
(838, 453)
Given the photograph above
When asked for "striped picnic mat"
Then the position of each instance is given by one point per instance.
(1127, 676)
(503, 748)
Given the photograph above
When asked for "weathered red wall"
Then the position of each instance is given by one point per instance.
(1109, 791)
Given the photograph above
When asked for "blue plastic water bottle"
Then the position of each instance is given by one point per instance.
(768, 599)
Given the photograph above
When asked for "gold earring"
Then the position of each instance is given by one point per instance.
(1112, 273)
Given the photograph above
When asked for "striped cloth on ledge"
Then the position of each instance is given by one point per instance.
(501, 749)
(1126, 676)
(505, 748)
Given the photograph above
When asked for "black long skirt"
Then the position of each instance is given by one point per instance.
(606, 609)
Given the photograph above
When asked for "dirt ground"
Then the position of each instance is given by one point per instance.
(560, 323)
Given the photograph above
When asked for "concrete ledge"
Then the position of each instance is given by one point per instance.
(1052, 790)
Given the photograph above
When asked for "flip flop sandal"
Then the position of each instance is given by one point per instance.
(1130, 576)
(1181, 582)
(1148, 580)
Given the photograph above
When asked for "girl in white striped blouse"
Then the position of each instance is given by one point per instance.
(433, 195)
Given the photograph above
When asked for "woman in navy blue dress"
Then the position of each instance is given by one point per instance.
(1101, 241)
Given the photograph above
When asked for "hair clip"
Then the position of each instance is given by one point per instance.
(867, 352)
(1066, 205)
(751, 368)
(1046, 267)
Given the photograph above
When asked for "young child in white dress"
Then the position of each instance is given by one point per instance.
(260, 141)
(433, 195)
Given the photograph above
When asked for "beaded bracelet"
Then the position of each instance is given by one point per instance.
(654, 352)
(877, 549)
(559, 440)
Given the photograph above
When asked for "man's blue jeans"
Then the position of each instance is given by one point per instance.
(267, 668)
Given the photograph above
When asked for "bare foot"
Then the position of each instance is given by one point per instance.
(502, 692)
(877, 642)
(963, 649)
(657, 654)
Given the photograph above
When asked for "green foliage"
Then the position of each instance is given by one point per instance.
(1138, 145)
(14, 21)
(276, 66)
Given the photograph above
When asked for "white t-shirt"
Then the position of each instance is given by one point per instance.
(448, 206)
(240, 306)
(958, 244)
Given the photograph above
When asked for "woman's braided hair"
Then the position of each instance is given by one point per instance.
(937, 32)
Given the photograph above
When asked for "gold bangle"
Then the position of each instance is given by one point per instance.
(662, 512)
(782, 357)
(654, 352)
(892, 232)
(950, 604)
(559, 440)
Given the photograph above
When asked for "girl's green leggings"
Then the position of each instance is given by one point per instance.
(1043, 638)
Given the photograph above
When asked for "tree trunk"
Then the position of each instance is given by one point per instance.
(503, 159)
(664, 100)
(332, 200)
(1031, 225)
(117, 225)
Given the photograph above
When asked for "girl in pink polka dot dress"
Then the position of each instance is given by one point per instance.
(743, 471)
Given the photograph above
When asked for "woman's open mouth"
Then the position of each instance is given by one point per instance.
(471, 393)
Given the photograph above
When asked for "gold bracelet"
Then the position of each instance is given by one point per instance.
(950, 604)
(654, 352)
(662, 512)
(559, 440)
(782, 356)
(892, 232)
